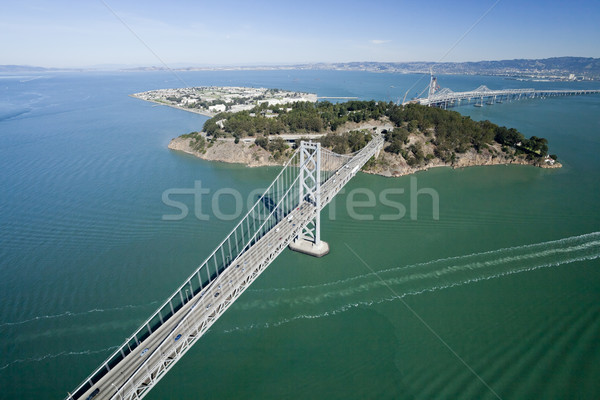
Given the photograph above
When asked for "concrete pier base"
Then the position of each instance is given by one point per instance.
(307, 247)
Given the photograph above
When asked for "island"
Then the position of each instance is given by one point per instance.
(213, 99)
(264, 127)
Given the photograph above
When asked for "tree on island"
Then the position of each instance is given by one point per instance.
(449, 133)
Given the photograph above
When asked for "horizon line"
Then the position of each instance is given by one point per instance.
(183, 65)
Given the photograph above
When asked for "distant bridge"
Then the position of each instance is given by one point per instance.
(445, 98)
(287, 214)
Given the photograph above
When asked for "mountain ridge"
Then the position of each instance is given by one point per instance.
(554, 68)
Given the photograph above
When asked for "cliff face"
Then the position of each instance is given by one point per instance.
(395, 165)
(387, 164)
(227, 151)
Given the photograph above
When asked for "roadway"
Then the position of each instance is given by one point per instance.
(155, 355)
(450, 96)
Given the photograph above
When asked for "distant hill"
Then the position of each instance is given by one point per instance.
(30, 68)
(555, 68)
(583, 68)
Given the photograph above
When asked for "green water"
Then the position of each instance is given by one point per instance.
(525, 319)
(503, 279)
(497, 293)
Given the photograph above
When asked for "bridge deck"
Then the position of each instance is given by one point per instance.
(449, 98)
(137, 372)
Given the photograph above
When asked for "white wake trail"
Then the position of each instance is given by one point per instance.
(75, 314)
(61, 354)
(349, 306)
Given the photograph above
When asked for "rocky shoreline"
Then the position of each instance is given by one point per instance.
(228, 151)
(388, 165)
(391, 165)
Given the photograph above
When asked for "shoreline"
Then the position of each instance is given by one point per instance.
(213, 100)
(205, 113)
(412, 171)
(387, 165)
(409, 150)
(245, 153)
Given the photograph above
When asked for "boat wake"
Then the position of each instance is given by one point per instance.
(369, 289)
(61, 354)
(75, 314)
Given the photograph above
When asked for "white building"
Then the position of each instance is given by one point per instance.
(217, 108)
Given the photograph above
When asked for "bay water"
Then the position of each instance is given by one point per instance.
(477, 282)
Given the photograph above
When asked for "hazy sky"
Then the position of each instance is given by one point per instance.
(84, 33)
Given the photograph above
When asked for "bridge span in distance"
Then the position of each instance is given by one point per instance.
(444, 98)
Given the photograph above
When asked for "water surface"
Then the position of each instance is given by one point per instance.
(507, 276)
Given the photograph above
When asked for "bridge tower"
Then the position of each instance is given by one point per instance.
(433, 85)
(309, 240)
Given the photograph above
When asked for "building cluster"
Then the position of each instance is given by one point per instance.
(215, 99)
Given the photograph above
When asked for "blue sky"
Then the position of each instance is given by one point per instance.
(86, 33)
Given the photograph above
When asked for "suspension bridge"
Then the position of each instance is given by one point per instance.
(286, 215)
(445, 97)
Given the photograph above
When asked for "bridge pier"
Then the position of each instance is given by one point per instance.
(307, 246)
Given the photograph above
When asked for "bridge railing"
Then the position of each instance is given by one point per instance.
(287, 201)
(289, 197)
(248, 230)
(291, 193)
(332, 162)
(278, 200)
(445, 98)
